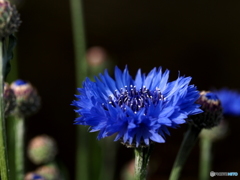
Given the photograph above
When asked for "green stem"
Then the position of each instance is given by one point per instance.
(79, 41)
(205, 158)
(109, 151)
(13, 74)
(10, 120)
(82, 154)
(81, 70)
(188, 142)
(19, 147)
(10, 124)
(142, 156)
(3, 144)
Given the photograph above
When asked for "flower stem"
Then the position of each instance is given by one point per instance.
(82, 149)
(19, 147)
(142, 156)
(188, 142)
(10, 120)
(108, 164)
(3, 143)
(79, 41)
(205, 158)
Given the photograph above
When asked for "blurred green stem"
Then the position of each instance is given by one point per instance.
(142, 156)
(205, 158)
(19, 147)
(3, 143)
(10, 124)
(108, 164)
(188, 143)
(82, 155)
(79, 41)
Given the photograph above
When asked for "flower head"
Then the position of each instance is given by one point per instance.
(212, 108)
(27, 98)
(230, 100)
(137, 110)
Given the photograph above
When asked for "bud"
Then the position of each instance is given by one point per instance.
(9, 99)
(96, 56)
(9, 19)
(33, 176)
(27, 99)
(42, 149)
(212, 111)
(49, 172)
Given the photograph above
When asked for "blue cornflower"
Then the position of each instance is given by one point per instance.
(137, 110)
(230, 100)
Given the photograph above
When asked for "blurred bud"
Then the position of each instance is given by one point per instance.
(49, 172)
(27, 99)
(216, 133)
(96, 56)
(42, 149)
(9, 19)
(212, 111)
(33, 176)
(9, 99)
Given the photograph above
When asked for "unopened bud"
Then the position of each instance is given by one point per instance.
(212, 111)
(96, 56)
(42, 149)
(27, 99)
(49, 172)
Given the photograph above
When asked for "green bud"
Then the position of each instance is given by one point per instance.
(42, 149)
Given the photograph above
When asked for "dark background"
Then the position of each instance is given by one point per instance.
(198, 38)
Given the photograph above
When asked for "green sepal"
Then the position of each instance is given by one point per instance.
(8, 45)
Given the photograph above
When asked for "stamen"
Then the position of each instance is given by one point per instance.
(135, 99)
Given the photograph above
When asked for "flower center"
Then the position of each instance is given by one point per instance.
(135, 99)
